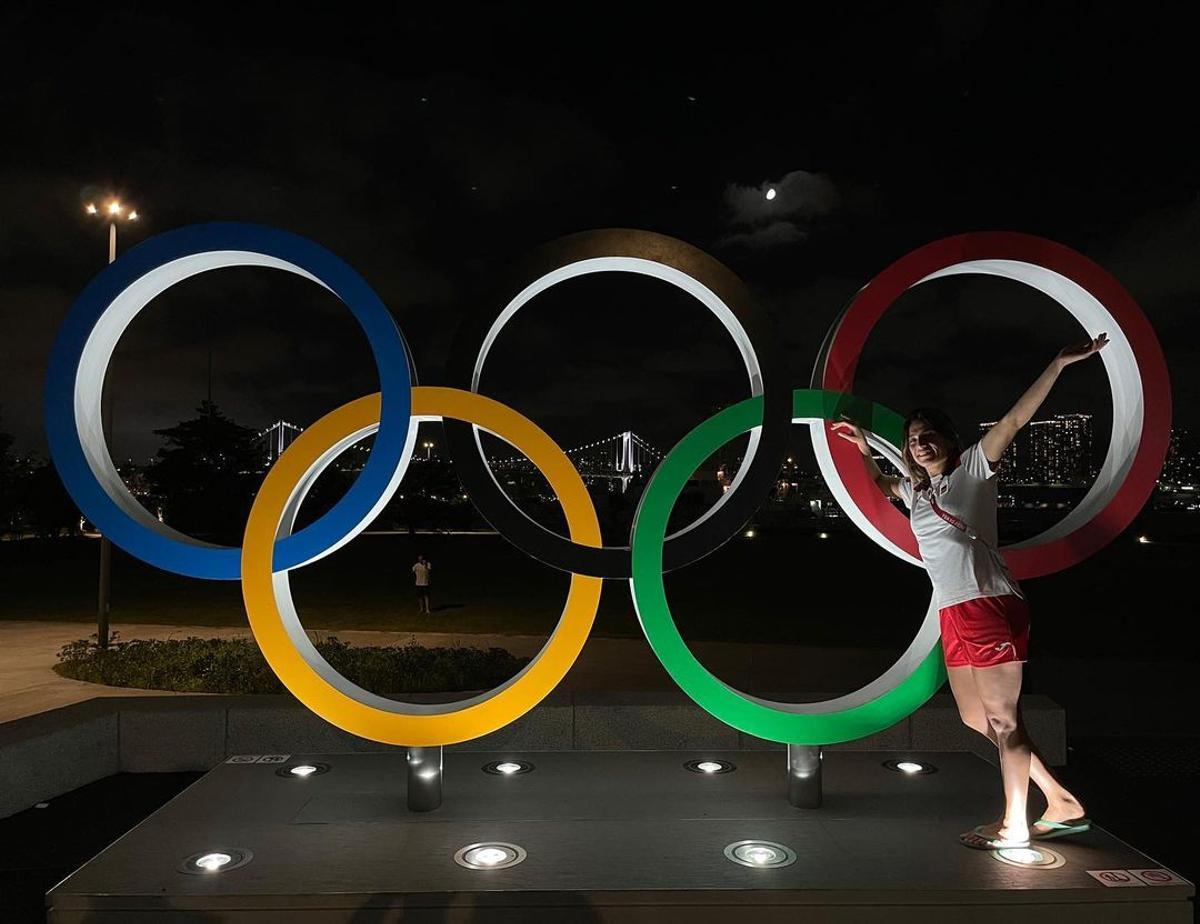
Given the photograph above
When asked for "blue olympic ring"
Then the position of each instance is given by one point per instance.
(83, 350)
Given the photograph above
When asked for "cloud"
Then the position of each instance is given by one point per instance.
(774, 234)
(758, 223)
(799, 195)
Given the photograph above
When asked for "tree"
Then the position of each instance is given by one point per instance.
(9, 489)
(46, 507)
(206, 474)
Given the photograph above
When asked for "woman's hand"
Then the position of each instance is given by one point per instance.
(1076, 352)
(852, 433)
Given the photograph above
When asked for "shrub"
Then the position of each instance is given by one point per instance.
(235, 665)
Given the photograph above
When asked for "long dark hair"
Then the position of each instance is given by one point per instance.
(939, 421)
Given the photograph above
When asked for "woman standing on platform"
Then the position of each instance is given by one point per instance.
(951, 496)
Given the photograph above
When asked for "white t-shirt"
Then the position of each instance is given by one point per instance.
(960, 568)
(421, 570)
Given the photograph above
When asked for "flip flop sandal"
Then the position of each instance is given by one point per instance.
(980, 842)
(1060, 828)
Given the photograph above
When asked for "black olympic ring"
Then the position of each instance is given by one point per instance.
(726, 296)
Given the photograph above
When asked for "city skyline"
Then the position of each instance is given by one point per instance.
(1053, 450)
(1058, 449)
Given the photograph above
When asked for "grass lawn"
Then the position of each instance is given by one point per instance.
(754, 590)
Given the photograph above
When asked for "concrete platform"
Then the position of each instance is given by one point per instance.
(610, 836)
(197, 732)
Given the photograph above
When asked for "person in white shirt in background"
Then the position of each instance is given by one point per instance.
(951, 496)
(421, 571)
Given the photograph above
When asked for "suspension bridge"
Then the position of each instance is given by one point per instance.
(276, 438)
(618, 459)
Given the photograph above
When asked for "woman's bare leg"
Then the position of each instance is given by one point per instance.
(1061, 805)
(1000, 691)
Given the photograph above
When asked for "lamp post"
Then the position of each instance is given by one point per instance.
(112, 212)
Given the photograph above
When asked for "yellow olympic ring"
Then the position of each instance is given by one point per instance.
(291, 655)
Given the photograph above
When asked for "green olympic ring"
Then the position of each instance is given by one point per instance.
(915, 677)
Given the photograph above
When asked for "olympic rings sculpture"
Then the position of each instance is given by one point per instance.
(83, 350)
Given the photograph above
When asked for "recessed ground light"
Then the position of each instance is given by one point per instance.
(1030, 857)
(211, 862)
(822, 535)
(910, 767)
(710, 766)
(760, 854)
(303, 771)
(490, 855)
(508, 767)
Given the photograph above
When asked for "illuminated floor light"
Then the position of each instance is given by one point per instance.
(494, 855)
(302, 771)
(211, 862)
(910, 767)
(1030, 857)
(1144, 540)
(710, 766)
(508, 767)
(822, 535)
(760, 854)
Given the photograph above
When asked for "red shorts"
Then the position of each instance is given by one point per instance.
(985, 631)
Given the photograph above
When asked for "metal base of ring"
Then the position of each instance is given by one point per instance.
(804, 775)
(424, 779)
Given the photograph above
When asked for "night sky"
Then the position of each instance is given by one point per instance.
(433, 150)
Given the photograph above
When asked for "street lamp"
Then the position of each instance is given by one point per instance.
(112, 212)
(428, 448)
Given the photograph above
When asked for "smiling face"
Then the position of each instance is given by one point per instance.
(928, 448)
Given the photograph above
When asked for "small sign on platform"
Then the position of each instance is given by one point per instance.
(258, 759)
(1115, 878)
(1158, 877)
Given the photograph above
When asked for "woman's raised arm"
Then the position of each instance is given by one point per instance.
(851, 432)
(1004, 431)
